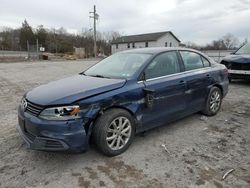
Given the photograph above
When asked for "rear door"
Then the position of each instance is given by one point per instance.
(198, 79)
(165, 90)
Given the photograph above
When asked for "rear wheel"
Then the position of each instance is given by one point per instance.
(213, 102)
(114, 131)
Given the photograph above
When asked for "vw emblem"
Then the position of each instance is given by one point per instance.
(24, 104)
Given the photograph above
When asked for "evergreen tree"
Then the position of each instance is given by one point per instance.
(26, 34)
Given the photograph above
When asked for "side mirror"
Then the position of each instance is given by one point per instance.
(143, 77)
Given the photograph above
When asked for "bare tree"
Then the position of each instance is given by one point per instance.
(115, 35)
(244, 42)
(230, 41)
(192, 45)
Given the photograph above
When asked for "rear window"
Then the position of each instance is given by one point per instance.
(206, 63)
(191, 60)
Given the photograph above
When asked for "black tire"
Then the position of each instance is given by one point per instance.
(104, 123)
(208, 110)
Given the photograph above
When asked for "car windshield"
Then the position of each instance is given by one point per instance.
(244, 49)
(120, 65)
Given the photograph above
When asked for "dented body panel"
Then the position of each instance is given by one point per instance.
(68, 90)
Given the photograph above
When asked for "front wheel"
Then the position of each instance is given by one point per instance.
(114, 131)
(213, 102)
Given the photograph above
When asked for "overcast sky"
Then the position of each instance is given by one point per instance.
(199, 21)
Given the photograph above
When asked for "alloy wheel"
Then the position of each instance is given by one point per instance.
(118, 133)
(215, 101)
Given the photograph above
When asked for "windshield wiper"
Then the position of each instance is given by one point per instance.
(99, 76)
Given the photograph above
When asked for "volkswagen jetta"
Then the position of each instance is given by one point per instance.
(124, 94)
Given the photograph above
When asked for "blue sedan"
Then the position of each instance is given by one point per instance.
(124, 94)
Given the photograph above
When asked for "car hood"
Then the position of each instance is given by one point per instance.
(238, 58)
(69, 90)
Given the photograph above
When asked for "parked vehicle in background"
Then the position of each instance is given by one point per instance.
(238, 63)
(124, 94)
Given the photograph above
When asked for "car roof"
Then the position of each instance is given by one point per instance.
(156, 50)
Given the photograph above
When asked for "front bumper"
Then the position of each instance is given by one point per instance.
(47, 135)
(241, 74)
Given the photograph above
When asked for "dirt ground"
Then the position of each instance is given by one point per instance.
(200, 149)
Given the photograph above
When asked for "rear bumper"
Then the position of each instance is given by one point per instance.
(46, 135)
(225, 85)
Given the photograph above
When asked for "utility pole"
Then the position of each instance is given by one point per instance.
(28, 49)
(37, 49)
(95, 17)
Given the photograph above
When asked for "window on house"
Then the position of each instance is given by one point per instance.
(128, 45)
(170, 44)
(166, 44)
(133, 45)
(116, 46)
(146, 44)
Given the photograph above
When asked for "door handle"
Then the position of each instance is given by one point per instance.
(182, 82)
(208, 77)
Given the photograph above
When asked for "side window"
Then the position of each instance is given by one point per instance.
(206, 63)
(191, 60)
(163, 65)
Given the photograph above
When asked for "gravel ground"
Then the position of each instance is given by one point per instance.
(201, 149)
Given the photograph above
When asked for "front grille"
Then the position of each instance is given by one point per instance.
(33, 109)
(51, 144)
(237, 66)
(245, 66)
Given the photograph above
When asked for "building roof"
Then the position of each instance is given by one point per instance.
(142, 37)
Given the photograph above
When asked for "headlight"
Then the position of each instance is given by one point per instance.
(61, 113)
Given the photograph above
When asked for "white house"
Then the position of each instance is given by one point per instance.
(160, 39)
